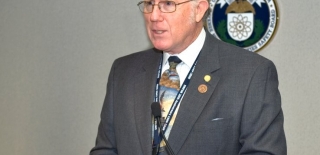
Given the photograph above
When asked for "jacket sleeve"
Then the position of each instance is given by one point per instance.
(261, 131)
(105, 141)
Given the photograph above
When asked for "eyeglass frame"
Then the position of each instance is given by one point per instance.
(175, 5)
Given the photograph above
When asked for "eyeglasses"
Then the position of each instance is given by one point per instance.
(164, 6)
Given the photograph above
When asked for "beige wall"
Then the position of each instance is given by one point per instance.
(55, 57)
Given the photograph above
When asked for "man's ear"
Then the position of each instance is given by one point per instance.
(202, 7)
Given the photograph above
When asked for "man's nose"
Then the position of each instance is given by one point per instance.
(156, 14)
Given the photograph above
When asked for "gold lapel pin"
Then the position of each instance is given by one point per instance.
(202, 88)
(207, 78)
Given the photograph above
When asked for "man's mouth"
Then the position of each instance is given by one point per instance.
(158, 31)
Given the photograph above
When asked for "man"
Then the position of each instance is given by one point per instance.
(230, 106)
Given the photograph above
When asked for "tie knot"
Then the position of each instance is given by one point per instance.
(173, 62)
(174, 59)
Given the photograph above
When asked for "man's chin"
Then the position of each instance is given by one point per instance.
(160, 47)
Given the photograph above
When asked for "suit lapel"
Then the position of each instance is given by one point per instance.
(144, 92)
(193, 101)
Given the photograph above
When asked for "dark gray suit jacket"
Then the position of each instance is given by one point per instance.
(239, 114)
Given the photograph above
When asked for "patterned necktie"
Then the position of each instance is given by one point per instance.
(169, 88)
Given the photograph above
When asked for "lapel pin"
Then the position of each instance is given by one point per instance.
(202, 88)
(207, 78)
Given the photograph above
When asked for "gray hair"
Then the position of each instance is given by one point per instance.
(206, 15)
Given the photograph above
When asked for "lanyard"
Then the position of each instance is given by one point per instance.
(176, 101)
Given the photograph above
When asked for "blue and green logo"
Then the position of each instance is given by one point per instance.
(249, 24)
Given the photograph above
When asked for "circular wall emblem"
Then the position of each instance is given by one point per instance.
(249, 24)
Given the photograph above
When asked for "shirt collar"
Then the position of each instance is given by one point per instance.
(189, 55)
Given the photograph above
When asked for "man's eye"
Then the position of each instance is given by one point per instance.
(169, 3)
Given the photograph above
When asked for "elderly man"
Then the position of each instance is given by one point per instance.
(213, 97)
